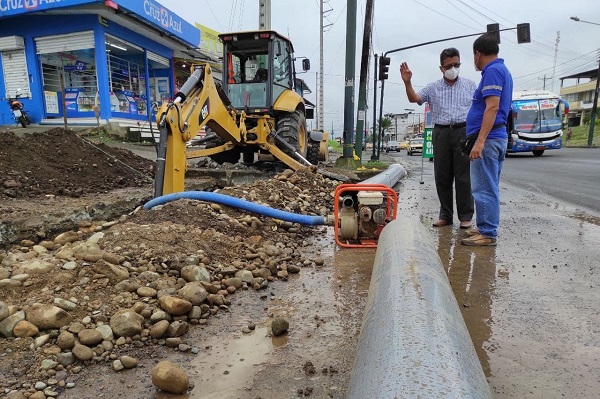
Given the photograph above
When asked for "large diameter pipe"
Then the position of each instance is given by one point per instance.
(413, 342)
(389, 177)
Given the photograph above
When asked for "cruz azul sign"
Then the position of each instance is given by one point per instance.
(13, 7)
(162, 16)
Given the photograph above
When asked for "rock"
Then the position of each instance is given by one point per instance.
(3, 310)
(279, 326)
(106, 332)
(36, 266)
(25, 329)
(66, 358)
(40, 386)
(210, 288)
(262, 272)
(127, 286)
(173, 342)
(245, 275)
(114, 273)
(48, 317)
(83, 353)
(41, 340)
(72, 265)
(178, 328)
(76, 327)
(38, 395)
(8, 324)
(160, 315)
(193, 293)
(159, 329)
(48, 364)
(229, 270)
(319, 261)
(89, 337)
(126, 323)
(195, 273)
(65, 340)
(128, 362)
(117, 365)
(65, 304)
(175, 306)
(66, 237)
(234, 282)
(147, 292)
(9, 283)
(294, 269)
(170, 378)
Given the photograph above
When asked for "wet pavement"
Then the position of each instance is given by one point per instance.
(531, 303)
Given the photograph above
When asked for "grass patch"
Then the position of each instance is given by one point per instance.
(335, 146)
(375, 165)
(580, 136)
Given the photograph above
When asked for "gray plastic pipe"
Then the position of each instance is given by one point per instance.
(413, 342)
(389, 177)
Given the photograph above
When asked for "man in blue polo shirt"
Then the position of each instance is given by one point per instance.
(488, 117)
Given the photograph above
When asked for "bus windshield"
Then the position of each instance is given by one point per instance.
(538, 116)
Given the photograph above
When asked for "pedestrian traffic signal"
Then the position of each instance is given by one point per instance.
(384, 67)
(494, 29)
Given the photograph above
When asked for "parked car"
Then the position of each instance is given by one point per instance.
(414, 145)
(392, 146)
(403, 145)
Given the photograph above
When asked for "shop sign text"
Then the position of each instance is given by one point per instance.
(162, 16)
(17, 6)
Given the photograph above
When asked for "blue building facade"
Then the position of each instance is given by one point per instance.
(90, 58)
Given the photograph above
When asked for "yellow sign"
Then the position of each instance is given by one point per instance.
(209, 41)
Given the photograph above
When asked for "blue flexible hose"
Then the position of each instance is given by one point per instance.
(237, 203)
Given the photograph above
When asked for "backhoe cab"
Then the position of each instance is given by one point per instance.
(256, 108)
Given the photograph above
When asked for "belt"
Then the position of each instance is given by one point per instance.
(452, 125)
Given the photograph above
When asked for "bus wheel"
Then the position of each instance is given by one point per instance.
(538, 153)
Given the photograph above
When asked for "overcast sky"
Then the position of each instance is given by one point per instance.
(401, 23)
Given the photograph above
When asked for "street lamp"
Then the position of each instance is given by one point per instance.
(595, 104)
(581, 20)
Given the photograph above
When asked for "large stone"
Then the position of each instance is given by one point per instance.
(170, 378)
(193, 293)
(88, 251)
(159, 329)
(175, 306)
(66, 237)
(89, 337)
(245, 275)
(178, 328)
(48, 317)
(65, 304)
(25, 329)
(36, 266)
(126, 323)
(114, 273)
(65, 340)
(82, 352)
(195, 273)
(262, 272)
(8, 324)
(234, 282)
(106, 332)
(279, 326)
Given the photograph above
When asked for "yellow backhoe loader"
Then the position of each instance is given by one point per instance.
(256, 110)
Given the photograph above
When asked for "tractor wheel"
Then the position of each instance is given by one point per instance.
(312, 155)
(291, 127)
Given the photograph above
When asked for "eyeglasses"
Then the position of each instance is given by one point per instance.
(446, 67)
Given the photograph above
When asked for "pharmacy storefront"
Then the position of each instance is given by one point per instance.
(89, 58)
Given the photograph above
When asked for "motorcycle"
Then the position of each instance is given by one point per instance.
(18, 110)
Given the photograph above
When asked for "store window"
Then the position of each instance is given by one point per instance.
(127, 78)
(159, 69)
(69, 61)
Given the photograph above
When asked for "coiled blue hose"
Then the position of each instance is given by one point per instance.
(238, 203)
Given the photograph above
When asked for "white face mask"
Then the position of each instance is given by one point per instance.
(451, 73)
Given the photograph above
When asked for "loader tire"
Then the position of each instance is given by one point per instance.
(292, 128)
(312, 155)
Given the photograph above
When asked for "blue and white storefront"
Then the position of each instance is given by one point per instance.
(112, 58)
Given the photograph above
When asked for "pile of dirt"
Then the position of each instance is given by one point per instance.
(59, 162)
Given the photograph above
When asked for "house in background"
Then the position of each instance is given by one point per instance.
(580, 95)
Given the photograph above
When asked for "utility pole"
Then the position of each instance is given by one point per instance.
(555, 56)
(545, 79)
(320, 107)
(364, 72)
(349, 78)
(594, 108)
(264, 14)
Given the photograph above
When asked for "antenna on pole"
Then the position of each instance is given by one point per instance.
(555, 56)
(320, 108)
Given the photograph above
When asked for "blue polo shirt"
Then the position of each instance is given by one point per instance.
(497, 81)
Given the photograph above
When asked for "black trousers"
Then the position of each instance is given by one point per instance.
(451, 167)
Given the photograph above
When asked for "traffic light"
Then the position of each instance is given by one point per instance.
(384, 67)
(494, 29)
(523, 33)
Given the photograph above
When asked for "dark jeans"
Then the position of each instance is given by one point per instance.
(451, 167)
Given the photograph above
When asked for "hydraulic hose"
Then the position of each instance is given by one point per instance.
(240, 204)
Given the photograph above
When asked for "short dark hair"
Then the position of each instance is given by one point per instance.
(486, 44)
(448, 53)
